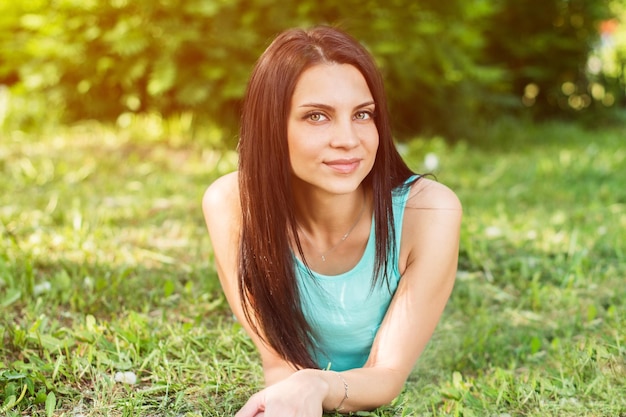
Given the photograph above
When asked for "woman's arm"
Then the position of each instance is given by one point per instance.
(429, 255)
(428, 262)
(222, 213)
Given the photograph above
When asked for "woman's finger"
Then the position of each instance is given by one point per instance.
(253, 408)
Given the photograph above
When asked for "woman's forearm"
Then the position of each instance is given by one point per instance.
(357, 389)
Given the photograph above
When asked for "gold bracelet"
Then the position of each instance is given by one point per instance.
(345, 391)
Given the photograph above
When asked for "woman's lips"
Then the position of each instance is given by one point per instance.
(344, 166)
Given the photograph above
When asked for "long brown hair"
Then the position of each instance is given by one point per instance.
(268, 285)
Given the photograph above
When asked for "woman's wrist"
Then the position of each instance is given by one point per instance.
(345, 392)
(318, 382)
(331, 386)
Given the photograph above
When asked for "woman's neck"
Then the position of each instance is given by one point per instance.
(327, 214)
(333, 230)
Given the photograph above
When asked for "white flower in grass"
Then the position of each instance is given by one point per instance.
(42, 287)
(493, 231)
(88, 282)
(126, 377)
(402, 148)
(431, 162)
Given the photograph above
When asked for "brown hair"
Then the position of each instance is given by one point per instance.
(268, 285)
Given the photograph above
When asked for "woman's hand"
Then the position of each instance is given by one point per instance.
(300, 395)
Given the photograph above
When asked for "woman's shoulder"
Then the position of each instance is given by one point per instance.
(221, 198)
(432, 222)
(430, 194)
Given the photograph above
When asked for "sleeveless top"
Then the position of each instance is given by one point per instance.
(345, 311)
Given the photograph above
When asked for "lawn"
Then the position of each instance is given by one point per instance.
(110, 304)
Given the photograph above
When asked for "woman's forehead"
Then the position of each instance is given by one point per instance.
(331, 83)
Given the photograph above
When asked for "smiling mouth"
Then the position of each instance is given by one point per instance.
(344, 166)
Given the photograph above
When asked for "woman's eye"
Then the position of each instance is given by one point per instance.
(363, 115)
(316, 117)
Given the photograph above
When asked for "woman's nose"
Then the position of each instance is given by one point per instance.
(344, 135)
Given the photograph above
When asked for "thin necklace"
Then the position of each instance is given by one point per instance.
(343, 238)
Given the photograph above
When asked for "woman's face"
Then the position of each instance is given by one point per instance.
(331, 133)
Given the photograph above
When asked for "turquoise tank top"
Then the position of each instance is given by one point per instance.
(344, 311)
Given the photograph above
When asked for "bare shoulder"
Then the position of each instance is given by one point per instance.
(222, 209)
(429, 194)
(222, 212)
(222, 196)
(432, 223)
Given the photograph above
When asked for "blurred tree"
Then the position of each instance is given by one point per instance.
(99, 59)
(447, 63)
(543, 45)
(607, 63)
(11, 57)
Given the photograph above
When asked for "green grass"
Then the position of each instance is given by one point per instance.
(105, 267)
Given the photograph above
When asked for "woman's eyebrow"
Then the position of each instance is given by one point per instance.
(367, 103)
(327, 107)
(317, 106)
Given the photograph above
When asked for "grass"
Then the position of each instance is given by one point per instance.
(106, 269)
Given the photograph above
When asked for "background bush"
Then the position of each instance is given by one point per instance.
(448, 64)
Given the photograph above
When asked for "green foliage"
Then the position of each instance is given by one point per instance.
(607, 63)
(548, 68)
(447, 63)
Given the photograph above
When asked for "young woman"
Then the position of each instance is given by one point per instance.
(334, 256)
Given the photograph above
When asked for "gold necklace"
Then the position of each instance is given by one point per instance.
(343, 238)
